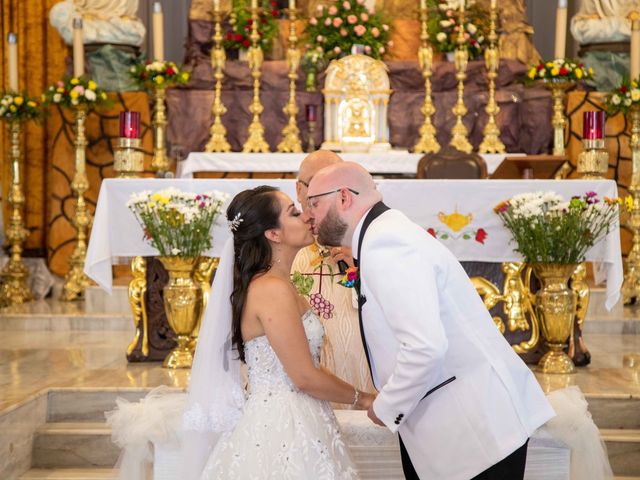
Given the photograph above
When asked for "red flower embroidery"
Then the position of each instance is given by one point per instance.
(481, 235)
(431, 231)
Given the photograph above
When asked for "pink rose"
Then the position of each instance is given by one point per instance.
(343, 32)
(385, 27)
(327, 21)
(390, 44)
(364, 16)
(367, 49)
(360, 2)
(79, 89)
(360, 30)
(346, 5)
(60, 84)
(372, 10)
(319, 39)
(333, 10)
(313, 21)
(466, 36)
(320, 8)
(375, 32)
(352, 19)
(337, 49)
(449, 13)
(381, 50)
(337, 22)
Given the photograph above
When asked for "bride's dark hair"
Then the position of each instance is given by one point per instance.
(252, 212)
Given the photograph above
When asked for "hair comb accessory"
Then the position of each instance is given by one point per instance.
(235, 223)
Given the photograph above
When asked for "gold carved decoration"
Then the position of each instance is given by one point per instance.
(160, 162)
(137, 289)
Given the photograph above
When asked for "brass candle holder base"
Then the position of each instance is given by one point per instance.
(128, 158)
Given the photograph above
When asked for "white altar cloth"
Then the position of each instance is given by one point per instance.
(116, 232)
(393, 161)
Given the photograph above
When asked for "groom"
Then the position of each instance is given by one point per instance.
(462, 401)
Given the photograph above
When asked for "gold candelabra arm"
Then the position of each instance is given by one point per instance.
(290, 133)
(218, 141)
(76, 281)
(491, 142)
(427, 143)
(631, 284)
(160, 163)
(14, 288)
(255, 142)
(459, 133)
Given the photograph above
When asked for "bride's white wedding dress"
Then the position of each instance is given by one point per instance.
(283, 432)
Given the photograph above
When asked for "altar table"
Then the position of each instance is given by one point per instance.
(480, 235)
(391, 162)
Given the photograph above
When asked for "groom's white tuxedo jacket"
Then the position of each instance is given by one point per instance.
(449, 382)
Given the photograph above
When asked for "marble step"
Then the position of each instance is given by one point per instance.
(615, 413)
(86, 406)
(623, 448)
(70, 474)
(74, 445)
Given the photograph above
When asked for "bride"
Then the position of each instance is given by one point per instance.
(285, 427)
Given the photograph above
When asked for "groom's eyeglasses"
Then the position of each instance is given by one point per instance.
(312, 201)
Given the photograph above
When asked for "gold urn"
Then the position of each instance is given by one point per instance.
(555, 308)
(183, 304)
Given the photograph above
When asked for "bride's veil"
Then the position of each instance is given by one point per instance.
(215, 396)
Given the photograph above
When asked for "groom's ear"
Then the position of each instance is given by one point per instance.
(346, 199)
(273, 235)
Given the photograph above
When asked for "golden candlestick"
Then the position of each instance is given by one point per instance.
(256, 141)
(558, 120)
(631, 284)
(160, 162)
(218, 141)
(459, 132)
(14, 288)
(593, 161)
(290, 133)
(427, 142)
(76, 281)
(491, 142)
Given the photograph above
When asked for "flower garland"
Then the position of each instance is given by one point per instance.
(335, 29)
(73, 91)
(156, 74)
(19, 107)
(241, 22)
(624, 97)
(562, 69)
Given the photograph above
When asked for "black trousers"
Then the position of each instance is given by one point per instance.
(510, 467)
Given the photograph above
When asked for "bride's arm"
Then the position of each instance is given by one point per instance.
(280, 319)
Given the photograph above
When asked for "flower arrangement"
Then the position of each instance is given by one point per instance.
(623, 97)
(548, 229)
(177, 223)
(73, 91)
(335, 29)
(156, 74)
(19, 107)
(350, 278)
(444, 25)
(241, 22)
(559, 70)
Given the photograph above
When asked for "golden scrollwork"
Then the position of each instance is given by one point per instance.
(202, 276)
(137, 289)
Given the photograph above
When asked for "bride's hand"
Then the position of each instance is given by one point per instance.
(365, 400)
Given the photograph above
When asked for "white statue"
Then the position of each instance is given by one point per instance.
(104, 21)
(602, 21)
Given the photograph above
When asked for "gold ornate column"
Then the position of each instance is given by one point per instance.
(459, 132)
(558, 120)
(218, 141)
(160, 162)
(491, 142)
(631, 285)
(427, 142)
(15, 288)
(76, 281)
(256, 141)
(290, 133)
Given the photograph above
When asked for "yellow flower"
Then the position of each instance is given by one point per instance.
(555, 71)
(549, 64)
(590, 71)
(151, 204)
(59, 89)
(74, 94)
(103, 95)
(74, 81)
(635, 94)
(31, 103)
(159, 79)
(43, 98)
(579, 73)
(628, 202)
(634, 84)
(13, 108)
(92, 85)
(532, 73)
(185, 76)
(18, 100)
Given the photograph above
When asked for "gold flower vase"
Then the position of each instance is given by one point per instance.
(183, 306)
(555, 308)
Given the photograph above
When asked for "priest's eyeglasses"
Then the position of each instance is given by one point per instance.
(312, 200)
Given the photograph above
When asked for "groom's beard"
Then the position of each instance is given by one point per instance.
(332, 229)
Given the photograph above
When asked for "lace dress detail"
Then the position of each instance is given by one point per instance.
(284, 434)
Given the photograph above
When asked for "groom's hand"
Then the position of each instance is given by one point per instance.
(373, 417)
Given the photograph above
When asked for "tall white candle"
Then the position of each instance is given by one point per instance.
(13, 62)
(292, 4)
(78, 48)
(254, 4)
(216, 5)
(158, 32)
(423, 4)
(494, 4)
(561, 30)
(634, 64)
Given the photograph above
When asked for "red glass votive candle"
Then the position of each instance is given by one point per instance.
(130, 124)
(593, 125)
(311, 113)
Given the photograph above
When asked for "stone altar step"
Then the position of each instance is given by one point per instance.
(623, 448)
(70, 474)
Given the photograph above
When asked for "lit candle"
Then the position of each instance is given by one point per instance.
(311, 113)
(13, 62)
(462, 5)
(158, 32)
(292, 4)
(130, 124)
(254, 4)
(216, 5)
(423, 4)
(593, 125)
(78, 48)
(494, 4)
(561, 30)
(634, 67)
